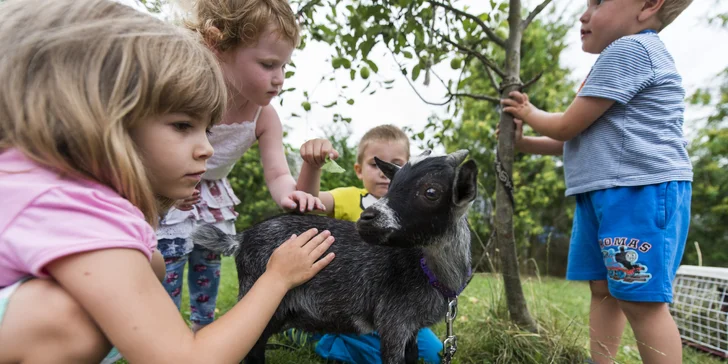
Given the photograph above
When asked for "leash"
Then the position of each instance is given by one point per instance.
(504, 178)
(450, 345)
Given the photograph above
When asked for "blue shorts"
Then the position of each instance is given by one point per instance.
(633, 237)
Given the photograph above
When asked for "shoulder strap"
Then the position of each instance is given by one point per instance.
(257, 114)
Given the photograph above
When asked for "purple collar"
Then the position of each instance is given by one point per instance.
(447, 292)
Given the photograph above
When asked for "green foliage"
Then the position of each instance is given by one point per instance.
(249, 185)
(539, 181)
(709, 151)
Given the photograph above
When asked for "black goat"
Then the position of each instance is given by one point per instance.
(418, 253)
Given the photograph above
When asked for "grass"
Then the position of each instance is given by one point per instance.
(485, 335)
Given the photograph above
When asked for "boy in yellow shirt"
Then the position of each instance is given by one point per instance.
(388, 143)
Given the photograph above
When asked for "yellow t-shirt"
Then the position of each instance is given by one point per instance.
(350, 202)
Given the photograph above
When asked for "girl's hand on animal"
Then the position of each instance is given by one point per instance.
(297, 259)
(517, 135)
(517, 105)
(315, 151)
(188, 203)
(302, 201)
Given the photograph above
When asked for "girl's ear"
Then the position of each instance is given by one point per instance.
(212, 36)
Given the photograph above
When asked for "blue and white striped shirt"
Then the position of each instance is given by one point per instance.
(639, 140)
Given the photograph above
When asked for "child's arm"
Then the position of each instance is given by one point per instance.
(277, 175)
(534, 145)
(582, 112)
(123, 297)
(314, 153)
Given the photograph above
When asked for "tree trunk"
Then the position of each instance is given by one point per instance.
(504, 207)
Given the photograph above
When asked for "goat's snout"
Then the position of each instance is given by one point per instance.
(367, 216)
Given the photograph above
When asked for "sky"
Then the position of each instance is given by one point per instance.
(698, 49)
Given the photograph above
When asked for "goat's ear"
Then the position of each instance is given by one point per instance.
(389, 169)
(455, 158)
(466, 183)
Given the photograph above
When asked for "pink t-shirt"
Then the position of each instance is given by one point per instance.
(44, 217)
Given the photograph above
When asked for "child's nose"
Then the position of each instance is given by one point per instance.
(204, 150)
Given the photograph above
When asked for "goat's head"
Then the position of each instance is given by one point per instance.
(427, 198)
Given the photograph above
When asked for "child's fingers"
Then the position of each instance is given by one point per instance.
(321, 263)
(520, 97)
(288, 203)
(509, 102)
(315, 241)
(321, 153)
(320, 249)
(304, 238)
(334, 154)
(311, 203)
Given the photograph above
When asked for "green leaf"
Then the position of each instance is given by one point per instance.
(306, 105)
(331, 166)
(416, 72)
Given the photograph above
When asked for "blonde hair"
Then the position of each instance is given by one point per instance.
(241, 22)
(670, 10)
(382, 133)
(78, 74)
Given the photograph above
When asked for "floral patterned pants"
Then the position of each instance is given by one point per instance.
(203, 279)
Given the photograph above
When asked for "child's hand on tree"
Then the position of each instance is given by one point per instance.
(518, 105)
(302, 201)
(517, 135)
(316, 151)
(297, 260)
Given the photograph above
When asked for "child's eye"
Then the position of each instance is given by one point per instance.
(182, 126)
(266, 65)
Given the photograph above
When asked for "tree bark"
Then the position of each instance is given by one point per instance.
(504, 207)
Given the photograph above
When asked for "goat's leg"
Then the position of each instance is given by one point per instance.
(256, 355)
(411, 351)
(394, 343)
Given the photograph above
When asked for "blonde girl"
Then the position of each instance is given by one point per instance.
(253, 41)
(103, 120)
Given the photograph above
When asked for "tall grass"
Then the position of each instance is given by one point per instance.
(485, 335)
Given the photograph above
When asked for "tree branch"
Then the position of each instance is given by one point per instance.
(451, 95)
(415, 89)
(477, 97)
(531, 81)
(475, 54)
(305, 7)
(534, 13)
(488, 31)
(491, 78)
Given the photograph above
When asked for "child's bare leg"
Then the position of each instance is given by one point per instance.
(606, 323)
(655, 330)
(43, 324)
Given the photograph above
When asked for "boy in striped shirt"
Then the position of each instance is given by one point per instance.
(625, 161)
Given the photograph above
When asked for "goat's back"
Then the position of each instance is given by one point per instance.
(344, 296)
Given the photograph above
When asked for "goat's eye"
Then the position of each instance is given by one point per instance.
(432, 194)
